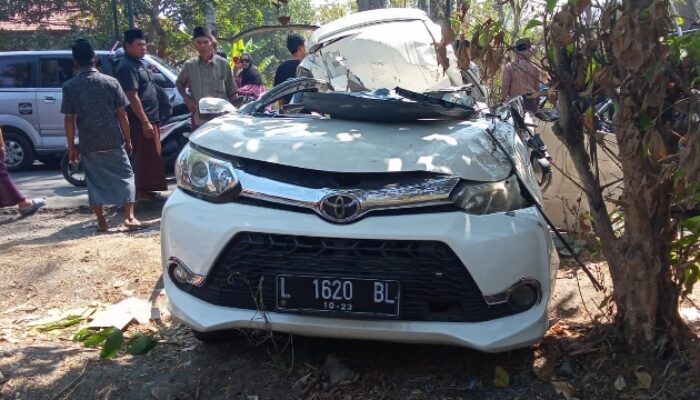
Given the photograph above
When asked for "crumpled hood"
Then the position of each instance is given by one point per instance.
(460, 148)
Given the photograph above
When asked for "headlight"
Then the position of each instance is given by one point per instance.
(489, 197)
(202, 174)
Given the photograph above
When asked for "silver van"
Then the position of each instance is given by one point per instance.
(30, 101)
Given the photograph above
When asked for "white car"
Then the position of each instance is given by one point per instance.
(340, 224)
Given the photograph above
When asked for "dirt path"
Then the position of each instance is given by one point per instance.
(55, 261)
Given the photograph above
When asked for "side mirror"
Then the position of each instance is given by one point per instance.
(214, 106)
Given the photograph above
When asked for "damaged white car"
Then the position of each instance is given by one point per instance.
(382, 204)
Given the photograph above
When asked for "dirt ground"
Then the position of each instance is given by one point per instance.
(55, 261)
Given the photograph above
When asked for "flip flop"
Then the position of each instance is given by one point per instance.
(36, 204)
(132, 225)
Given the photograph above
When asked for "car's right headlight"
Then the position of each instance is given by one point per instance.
(489, 197)
(205, 176)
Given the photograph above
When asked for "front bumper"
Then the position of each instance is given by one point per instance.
(497, 250)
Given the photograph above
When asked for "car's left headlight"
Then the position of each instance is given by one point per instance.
(204, 175)
(489, 197)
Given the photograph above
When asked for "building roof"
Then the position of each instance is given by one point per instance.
(61, 21)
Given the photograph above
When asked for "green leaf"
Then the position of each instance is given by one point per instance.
(113, 342)
(141, 344)
(570, 48)
(94, 340)
(501, 378)
(83, 334)
(551, 4)
(692, 223)
(643, 380)
(645, 122)
(532, 23)
(62, 323)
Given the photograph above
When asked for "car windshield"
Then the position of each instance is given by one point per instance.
(165, 65)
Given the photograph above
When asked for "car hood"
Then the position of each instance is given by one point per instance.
(460, 148)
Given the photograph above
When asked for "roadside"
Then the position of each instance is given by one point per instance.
(55, 261)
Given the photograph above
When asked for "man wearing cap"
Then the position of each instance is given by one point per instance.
(207, 75)
(521, 77)
(137, 81)
(96, 102)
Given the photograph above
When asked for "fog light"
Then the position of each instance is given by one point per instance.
(182, 274)
(523, 297)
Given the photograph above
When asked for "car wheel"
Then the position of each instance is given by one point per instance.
(19, 153)
(215, 336)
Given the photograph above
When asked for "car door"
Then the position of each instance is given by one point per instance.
(18, 75)
(54, 71)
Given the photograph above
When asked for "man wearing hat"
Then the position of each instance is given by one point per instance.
(521, 77)
(96, 102)
(207, 75)
(137, 81)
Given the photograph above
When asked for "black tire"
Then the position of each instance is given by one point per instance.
(20, 153)
(216, 336)
(74, 176)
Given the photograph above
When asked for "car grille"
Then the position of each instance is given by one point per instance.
(435, 285)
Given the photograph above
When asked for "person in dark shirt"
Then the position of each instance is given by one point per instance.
(288, 69)
(138, 84)
(97, 102)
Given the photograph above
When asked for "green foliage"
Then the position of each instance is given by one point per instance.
(141, 344)
(61, 324)
(111, 341)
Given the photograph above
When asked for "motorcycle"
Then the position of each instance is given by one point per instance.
(174, 133)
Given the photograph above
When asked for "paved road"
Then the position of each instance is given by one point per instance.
(49, 183)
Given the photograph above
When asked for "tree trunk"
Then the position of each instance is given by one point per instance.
(158, 33)
(364, 5)
(644, 290)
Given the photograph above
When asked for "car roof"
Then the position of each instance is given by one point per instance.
(365, 18)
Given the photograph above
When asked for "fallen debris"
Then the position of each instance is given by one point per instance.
(123, 313)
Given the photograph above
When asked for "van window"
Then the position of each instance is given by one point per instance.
(55, 72)
(17, 72)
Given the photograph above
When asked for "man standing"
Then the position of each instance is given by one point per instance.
(207, 75)
(521, 77)
(288, 69)
(137, 81)
(97, 102)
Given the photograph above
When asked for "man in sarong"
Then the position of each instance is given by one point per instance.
(9, 194)
(137, 81)
(96, 102)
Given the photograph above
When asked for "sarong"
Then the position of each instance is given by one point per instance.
(148, 159)
(9, 194)
(109, 177)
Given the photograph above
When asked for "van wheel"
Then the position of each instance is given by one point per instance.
(19, 152)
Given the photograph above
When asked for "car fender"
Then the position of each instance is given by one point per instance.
(7, 120)
(170, 128)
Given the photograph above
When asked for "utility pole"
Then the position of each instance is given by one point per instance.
(115, 18)
(130, 12)
(209, 16)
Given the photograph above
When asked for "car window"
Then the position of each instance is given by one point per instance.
(55, 72)
(17, 72)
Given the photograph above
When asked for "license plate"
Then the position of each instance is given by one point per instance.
(338, 295)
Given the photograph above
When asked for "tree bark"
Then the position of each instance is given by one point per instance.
(645, 293)
(364, 5)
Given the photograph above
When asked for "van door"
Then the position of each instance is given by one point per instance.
(54, 71)
(17, 88)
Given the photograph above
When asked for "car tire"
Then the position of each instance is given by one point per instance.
(20, 154)
(216, 336)
(74, 176)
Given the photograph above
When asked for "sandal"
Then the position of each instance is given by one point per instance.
(36, 204)
(134, 224)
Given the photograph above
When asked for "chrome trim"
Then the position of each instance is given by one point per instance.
(502, 297)
(195, 279)
(435, 191)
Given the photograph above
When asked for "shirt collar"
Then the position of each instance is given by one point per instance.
(134, 59)
(85, 70)
(202, 61)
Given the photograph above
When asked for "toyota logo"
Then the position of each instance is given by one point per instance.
(340, 207)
